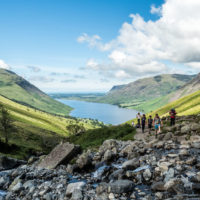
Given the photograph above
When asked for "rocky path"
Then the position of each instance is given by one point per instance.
(145, 169)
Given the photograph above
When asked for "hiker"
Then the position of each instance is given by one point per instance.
(133, 125)
(172, 114)
(138, 116)
(143, 121)
(157, 124)
(150, 122)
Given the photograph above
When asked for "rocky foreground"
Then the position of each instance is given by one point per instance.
(167, 167)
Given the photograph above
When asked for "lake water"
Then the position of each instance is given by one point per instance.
(109, 114)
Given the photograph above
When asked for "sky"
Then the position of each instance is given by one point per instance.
(89, 46)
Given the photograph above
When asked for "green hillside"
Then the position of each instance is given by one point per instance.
(146, 94)
(188, 105)
(39, 131)
(19, 90)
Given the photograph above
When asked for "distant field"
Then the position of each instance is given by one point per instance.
(78, 96)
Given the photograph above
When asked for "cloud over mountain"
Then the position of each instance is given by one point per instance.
(143, 47)
(4, 65)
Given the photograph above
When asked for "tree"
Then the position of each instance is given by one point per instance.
(75, 129)
(5, 122)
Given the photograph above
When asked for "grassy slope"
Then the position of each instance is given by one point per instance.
(188, 105)
(94, 138)
(18, 89)
(37, 130)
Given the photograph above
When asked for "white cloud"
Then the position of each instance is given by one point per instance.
(92, 64)
(4, 65)
(34, 68)
(94, 41)
(142, 47)
(155, 10)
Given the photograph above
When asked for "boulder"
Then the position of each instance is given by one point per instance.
(62, 153)
(131, 164)
(147, 175)
(108, 155)
(74, 186)
(121, 186)
(9, 163)
(158, 186)
(84, 160)
(185, 129)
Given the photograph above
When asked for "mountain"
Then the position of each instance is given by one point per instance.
(189, 88)
(136, 94)
(19, 90)
(37, 131)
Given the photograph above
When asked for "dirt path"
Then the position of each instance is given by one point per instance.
(145, 137)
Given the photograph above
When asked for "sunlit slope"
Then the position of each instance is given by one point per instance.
(19, 90)
(188, 105)
(37, 130)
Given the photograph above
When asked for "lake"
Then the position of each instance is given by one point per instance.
(109, 114)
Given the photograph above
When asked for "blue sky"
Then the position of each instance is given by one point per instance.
(74, 46)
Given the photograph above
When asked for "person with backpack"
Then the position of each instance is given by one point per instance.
(143, 121)
(150, 123)
(157, 124)
(138, 116)
(172, 114)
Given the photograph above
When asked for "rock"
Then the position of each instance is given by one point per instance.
(131, 164)
(9, 163)
(195, 145)
(147, 175)
(158, 186)
(74, 186)
(108, 155)
(185, 129)
(62, 153)
(77, 195)
(164, 166)
(169, 175)
(17, 187)
(194, 126)
(32, 159)
(168, 136)
(116, 175)
(159, 195)
(84, 161)
(101, 188)
(121, 186)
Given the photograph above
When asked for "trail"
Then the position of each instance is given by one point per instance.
(145, 137)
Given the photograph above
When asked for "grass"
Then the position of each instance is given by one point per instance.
(19, 90)
(38, 131)
(94, 138)
(188, 105)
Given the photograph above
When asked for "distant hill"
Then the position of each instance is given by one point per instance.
(136, 94)
(19, 90)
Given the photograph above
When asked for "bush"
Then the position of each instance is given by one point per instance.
(94, 138)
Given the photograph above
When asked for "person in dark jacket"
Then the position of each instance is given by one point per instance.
(143, 122)
(172, 114)
(150, 123)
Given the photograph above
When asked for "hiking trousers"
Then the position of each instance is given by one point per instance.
(172, 122)
(143, 127)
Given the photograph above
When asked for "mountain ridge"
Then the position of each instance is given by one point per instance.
(18, 89)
